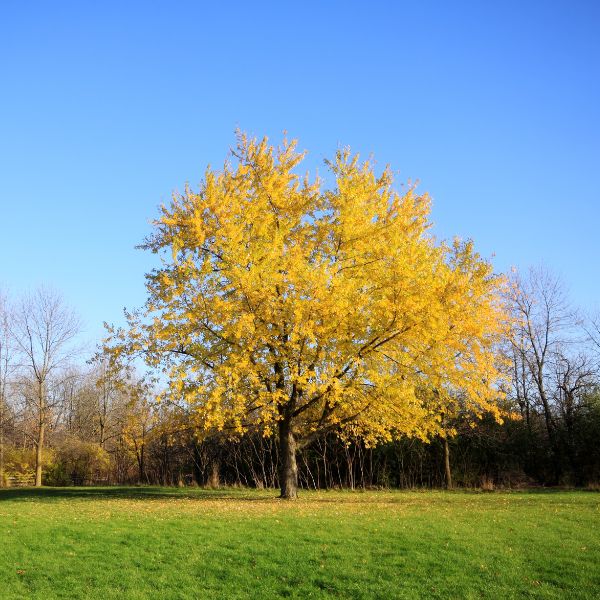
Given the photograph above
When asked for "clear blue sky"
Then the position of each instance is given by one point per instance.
(106, 107)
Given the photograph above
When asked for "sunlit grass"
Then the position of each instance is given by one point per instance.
(192, 543)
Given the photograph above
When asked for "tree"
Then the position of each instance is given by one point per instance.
(592, 328)
(7, 368)
(139, 422)
(281, 306)
(44, 330)
(575, 381)
(550, 369)
(107, 398)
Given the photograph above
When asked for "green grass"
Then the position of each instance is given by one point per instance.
(165, 543)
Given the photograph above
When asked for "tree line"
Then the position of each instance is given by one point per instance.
(297, 335)
(64, 420)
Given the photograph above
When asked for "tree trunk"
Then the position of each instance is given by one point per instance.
(1, 438)
(447, 464)
(197, 462)
(214, 478)
(288, 469)
(1, 446)
(101, 434)
(39, 454)
(550, 426)
(142, 465)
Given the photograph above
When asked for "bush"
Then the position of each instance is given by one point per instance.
(19, 466)
(77, 463)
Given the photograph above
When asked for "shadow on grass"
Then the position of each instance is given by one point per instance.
(49, 494)
(133, 493)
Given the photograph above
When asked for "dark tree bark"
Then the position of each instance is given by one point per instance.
(447, 464)
(288, 473)
(214, 475)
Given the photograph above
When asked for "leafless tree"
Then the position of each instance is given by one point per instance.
(44, 329)
(109, 399)
(544, 334)
(575, 379)
(592, 329)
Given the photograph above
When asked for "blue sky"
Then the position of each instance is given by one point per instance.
(105, 108)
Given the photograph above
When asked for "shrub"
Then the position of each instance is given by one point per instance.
(77, 462)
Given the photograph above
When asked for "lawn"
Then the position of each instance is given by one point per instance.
(165, 543)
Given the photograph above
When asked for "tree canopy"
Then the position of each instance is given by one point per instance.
(294, 308)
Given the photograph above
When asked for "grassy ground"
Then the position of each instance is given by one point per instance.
(164, 543)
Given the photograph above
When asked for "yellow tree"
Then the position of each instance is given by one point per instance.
(299, 310)
(139, 422)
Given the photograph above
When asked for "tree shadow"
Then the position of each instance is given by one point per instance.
(49, 494)
(149, 493)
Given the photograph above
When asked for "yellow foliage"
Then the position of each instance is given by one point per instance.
(329, 309)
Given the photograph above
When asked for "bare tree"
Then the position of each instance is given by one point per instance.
(109, 394)
(44, 329)
(543, 336)
(592, 328)
(575, 379)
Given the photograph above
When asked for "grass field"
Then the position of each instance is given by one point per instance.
(165, 543)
